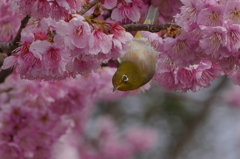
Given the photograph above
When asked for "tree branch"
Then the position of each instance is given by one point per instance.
(187, 136)
(4, 73)
(88, 6)
(150, 27)
(6, 90)
(8, 47)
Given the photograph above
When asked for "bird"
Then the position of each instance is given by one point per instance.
(137, 66)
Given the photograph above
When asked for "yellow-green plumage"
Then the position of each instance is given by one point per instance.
(134, 74)
(137, 66)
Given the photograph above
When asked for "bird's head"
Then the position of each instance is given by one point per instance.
(128, 77)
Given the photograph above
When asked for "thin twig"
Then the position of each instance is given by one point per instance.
(88, 6)
(149, 27)
(8, 47)
(6, 90)
(4, 73)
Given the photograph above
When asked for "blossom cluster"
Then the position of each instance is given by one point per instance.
(206, 49)
(75, 49)
(46, 102)
(37, 118)
(9, 21)
(53, 49)
(61, 43)
(108, 145)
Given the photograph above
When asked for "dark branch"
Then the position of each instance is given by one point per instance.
(188, 135)
(88, 6)
(4, 73)
(23, 25)
(8, 47)
(150, 27)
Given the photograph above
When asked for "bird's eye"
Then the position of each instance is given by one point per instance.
(124, 78)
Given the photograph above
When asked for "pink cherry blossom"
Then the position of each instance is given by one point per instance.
(40, 9)
(214, 38)
(73, 5)
(50, 58)
(21, 123)
(180, 49)
(109, 4)
(193, 77)
(165, 73)
(23, 6)
(112, 146)
(156, 41)
(189, 13)
(169, 8)
(212, 15)
(62, 67)
(231, 11)
(82, 64)
(9, 62)
(57, 107)
(99, 42)
(205, 73)
(10, 150)
(233, 37)
(25, 63)
(228, 63)
(121, 40)
(9, 21)
(75, 33)
(141, 139)
(232, 96)
(57, 11)
(127, 10)
(234, 74)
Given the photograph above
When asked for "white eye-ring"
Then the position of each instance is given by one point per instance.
(124, 78)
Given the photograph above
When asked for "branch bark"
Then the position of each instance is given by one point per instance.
(8, 47)
(4, 73)
(150, 27)
(198, 120)
(88, 6)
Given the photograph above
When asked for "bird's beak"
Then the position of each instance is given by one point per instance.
(115, 87)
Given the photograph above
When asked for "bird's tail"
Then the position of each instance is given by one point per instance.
(150, 18)
(151, 15)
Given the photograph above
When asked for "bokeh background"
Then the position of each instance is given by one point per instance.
(200, 125)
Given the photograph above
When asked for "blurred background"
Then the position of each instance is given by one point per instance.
(189, 125)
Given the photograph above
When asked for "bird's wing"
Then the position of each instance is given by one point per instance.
(140, 50)
(141, 53)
